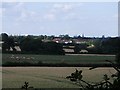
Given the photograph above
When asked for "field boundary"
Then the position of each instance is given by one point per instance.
(91, 54)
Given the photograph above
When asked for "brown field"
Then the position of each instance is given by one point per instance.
(49, 77)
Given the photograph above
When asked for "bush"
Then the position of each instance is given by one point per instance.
(105, 84)
(17, 64)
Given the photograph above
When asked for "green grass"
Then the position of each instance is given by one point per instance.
(69, 59)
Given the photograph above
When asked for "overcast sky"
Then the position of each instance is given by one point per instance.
(50, 18)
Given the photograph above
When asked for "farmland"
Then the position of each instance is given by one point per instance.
(57, 59)
(52, 77)
(49, 77)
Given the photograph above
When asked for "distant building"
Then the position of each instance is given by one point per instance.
(17, 48)
(57, 40)
(83, 51)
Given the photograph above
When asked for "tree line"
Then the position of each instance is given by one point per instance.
(28, 44)
(44, 44)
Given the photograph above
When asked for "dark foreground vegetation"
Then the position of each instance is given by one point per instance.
(103, 85)
(40, 64)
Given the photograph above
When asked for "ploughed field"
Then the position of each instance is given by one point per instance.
(29, 59)
(49, 77)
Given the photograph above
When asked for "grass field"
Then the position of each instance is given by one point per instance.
(48, 77)
(69, 59)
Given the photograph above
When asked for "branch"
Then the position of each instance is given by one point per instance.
(114, 66)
